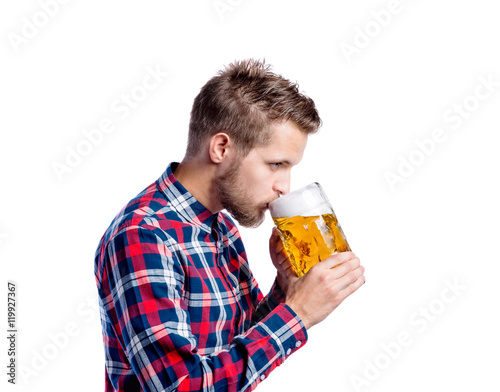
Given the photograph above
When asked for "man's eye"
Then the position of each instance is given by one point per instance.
(276, 165)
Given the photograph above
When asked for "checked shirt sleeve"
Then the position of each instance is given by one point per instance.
(268, 303)
(141, 290)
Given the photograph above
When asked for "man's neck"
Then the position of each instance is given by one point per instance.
(199, 180)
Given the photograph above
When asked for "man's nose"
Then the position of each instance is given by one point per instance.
(282, 186)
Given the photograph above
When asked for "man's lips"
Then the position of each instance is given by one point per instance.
(266, 205)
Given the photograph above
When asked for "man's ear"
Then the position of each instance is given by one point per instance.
(219, 147)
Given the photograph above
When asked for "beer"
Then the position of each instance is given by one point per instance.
(310, 239)
(308, 227)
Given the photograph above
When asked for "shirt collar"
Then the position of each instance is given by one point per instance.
(183, 202)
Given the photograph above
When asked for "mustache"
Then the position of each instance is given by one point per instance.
(271, 200)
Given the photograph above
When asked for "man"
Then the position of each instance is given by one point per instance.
(180, 308)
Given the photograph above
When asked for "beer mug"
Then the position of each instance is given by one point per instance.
(308, 227)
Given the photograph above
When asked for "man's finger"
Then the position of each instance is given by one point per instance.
(345, 268)
(275, 238)
(336, 259)
(351, 288)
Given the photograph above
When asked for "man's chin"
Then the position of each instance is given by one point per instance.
(251, 222)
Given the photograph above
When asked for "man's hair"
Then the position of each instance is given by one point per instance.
(243, 100)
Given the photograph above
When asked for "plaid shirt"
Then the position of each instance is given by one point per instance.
(180, 308)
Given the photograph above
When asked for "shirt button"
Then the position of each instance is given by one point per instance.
(288, 351)
(298, 344)
(262, 377)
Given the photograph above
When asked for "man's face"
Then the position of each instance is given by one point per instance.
(252, 182)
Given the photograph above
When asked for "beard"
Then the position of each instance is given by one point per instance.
(236, 200)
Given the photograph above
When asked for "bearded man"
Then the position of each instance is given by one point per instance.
(180, 308)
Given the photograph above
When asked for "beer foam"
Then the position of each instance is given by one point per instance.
(307, 201)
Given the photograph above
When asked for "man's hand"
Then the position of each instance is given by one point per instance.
(281, 262)
(318, 293)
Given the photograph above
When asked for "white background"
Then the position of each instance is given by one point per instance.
(438, 224)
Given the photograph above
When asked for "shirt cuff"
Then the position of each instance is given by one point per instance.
(277, 295)
(287, 333)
